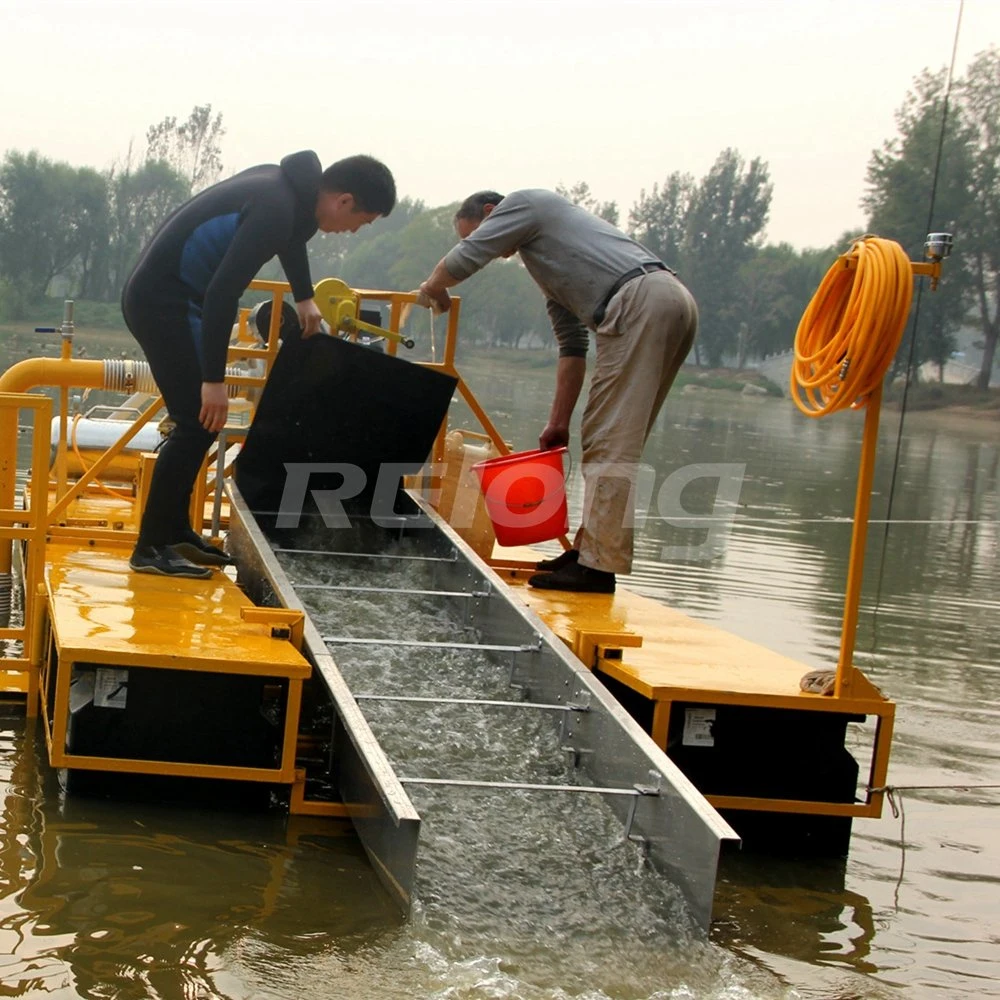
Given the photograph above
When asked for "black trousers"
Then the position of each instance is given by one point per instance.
(157, 312)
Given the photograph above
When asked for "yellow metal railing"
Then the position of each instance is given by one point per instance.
(27, 526)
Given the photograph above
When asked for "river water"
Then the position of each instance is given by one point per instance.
(112, 900)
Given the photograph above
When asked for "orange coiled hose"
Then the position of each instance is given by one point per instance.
(851, 329)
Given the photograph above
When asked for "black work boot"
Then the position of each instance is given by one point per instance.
(162, 560)
(576, 577)
(563, 559)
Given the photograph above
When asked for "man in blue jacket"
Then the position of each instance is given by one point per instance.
(182, 298)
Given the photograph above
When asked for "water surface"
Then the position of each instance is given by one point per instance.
(104, 899)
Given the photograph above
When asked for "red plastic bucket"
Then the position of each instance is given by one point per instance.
(525, 495)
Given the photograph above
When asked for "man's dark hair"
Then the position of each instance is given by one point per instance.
(472, 207)
(368, 179)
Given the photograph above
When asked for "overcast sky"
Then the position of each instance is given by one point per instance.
(458, 96)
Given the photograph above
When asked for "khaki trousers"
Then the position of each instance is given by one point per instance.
(647, 331)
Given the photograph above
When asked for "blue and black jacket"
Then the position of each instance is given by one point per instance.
(208, 251)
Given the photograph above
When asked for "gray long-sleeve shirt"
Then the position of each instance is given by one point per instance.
(574, 257)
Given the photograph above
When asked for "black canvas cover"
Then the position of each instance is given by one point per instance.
(330, 401)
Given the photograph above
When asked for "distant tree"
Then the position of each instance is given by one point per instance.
(422, 243)
(900, 179)
(725, 226)
(501, 305)
(709, 231)
(397, 257)
(778, 284)
(980, 109)
(659, 220)
(328, 252)
(192, 148)
(775, 286)
(580, 194)
(52, 217)
(92, 224)
(365, 265)
(140, 198)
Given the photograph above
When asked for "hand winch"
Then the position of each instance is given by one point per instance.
(339, 306)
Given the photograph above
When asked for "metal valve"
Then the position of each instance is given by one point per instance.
(938, 246)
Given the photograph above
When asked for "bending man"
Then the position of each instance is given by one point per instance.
(182, 299)
(593, 277)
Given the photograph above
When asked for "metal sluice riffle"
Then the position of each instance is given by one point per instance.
(513, 669)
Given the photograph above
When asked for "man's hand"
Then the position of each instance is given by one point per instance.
(554, 436)
(214, 406)
(309, 316)
(438, 298)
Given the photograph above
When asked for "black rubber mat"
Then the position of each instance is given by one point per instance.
(330, 401)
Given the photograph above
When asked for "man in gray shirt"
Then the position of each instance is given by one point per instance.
(594, 277)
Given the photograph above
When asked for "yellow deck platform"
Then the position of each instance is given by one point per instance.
(103, 615)
(101, 611)
(669, 657)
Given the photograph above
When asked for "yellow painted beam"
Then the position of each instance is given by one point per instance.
(59, 758)
(802, 806)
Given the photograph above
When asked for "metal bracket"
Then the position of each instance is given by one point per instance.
(652, 789)
(577, 754)
(582, 705)
(285, 623)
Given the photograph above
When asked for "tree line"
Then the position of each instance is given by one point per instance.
(957, 152)
(81, 230)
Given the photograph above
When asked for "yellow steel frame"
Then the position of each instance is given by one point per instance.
(299, 805)
(49, 516)
(845, 673)
(852, 693)
(865, 700)
(287, 623)
(605, 650)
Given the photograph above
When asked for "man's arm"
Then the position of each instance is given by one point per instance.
(437, 285)
(258, 237)
(294, 262)
(570, 374)
(508, 227)
(573, 339)
(265, 229)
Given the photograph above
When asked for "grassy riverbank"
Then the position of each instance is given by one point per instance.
(722, 379)
(926, 396)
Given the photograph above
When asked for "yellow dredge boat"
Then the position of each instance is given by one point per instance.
(693, 736)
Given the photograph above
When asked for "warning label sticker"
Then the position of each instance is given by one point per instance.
(110, 687)
(699, 726)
